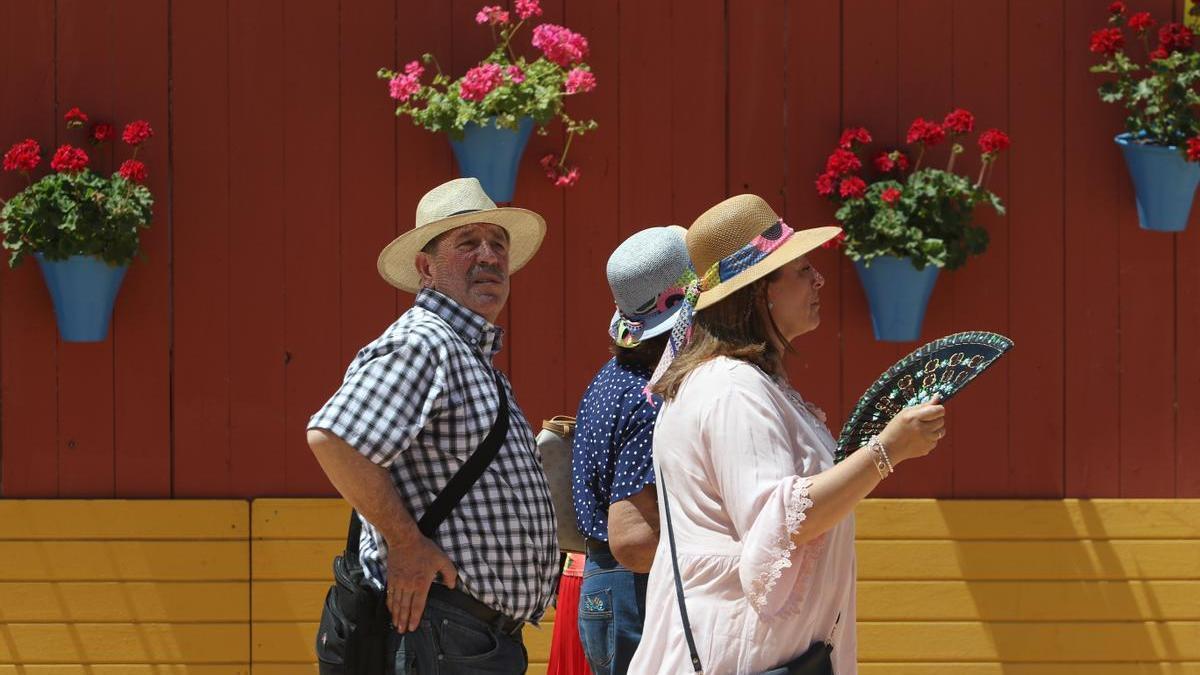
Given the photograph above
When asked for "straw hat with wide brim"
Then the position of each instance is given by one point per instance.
(453, 204)
(729, 226)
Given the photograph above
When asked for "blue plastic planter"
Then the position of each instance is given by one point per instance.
(493, 155)
(83, 289)
(1163, 182)
(898, 295)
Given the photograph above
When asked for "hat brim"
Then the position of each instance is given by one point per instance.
(526, 229)
(653, 326)
(802, 242)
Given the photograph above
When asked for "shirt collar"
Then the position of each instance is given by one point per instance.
(475, 329)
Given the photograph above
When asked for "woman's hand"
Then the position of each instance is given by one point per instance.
(914, 431)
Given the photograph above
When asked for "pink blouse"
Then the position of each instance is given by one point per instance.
(737, 451)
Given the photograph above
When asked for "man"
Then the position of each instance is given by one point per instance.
(413, 406)
(616, 507)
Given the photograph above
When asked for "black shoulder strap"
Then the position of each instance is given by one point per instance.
(471, 470)
(458, 485)
(687, 625)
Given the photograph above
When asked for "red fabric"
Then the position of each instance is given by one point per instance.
(566, 652)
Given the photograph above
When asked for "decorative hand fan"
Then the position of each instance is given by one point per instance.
(943, 366)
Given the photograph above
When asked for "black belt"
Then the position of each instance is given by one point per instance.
(460, 600)
(595, 545)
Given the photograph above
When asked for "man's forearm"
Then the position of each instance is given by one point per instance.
(366, 486)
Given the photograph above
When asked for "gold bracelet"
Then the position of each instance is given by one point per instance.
(883, 463)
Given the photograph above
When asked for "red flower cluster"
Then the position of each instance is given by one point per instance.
(854, 135)
(890, 196)
(836, 242)
(1193, 149)
(889, 161)
(528, 8)
(959, 121)
(23, 156)
(137, 132)
(561, 176)
(102, 132)
(993, 141)
(825, 184)
(69, 159)
(1140, 22)
(852, 187)
(1107, 41)
(133, 170)
(75, 118)
(494, 15)
(1117, 8)
(560, 45)
(842, 162)
(925, 132)
(1174, 37)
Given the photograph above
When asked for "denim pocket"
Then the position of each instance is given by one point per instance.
(597, 631)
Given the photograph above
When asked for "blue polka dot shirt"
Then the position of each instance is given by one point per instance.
(610, 458)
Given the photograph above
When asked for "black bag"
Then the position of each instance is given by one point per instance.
(816, 660)
(352, 638)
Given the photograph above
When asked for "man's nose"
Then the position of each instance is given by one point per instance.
(487, 253)
(818, 280)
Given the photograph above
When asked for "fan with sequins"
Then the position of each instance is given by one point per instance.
(943, 366)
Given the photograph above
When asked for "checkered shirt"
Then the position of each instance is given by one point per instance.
(419, 400)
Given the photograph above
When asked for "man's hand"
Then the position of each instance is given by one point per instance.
(411, 568)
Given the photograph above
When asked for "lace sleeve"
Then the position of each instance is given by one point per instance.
(774, 571)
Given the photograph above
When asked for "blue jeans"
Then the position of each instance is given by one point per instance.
(449, 641)
(612, 610)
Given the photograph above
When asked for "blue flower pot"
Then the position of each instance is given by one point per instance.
(493, 155)
(898, 294)
(83, 289)
(1163, 182)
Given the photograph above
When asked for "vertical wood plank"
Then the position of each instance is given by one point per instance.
(142, 381)
(697, 90)
(756, 100)
(813, 124)
(257, 253)
(28, 334)
(1187, 346)
(312, 229)
(1094, 175)
(1036, 231)
(86, 78)
(979, 418)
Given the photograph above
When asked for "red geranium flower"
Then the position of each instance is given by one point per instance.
(852, 187)
(924, 131)
(1107, 41)
(134, 170)
(568, 179)
(68, 159)
(75, 118)
(842, 162)
(853, 135)
(959, 121)
(1193, 149)
(1117, 8)
(890, 196)
(23, 156)
(137, 132)
(884, 162)
(1141, 22)
(901, 160)
(1159, 53)
(1174, 36)
(993, 141)
(826, 183)
(102, 132)
(836, 242)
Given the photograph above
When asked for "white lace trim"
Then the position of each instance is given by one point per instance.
(781, 553)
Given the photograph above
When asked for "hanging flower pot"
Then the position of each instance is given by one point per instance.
(493, 155)
(83, 289)
(1164, 183)
(897, 293)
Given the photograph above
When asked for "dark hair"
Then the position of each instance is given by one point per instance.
(645, 355)
(735, 327)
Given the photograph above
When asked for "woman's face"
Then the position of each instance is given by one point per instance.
(792, 298)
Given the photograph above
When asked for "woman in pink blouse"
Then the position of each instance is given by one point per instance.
(763, 521)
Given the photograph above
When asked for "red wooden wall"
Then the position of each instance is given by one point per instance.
(280, 171)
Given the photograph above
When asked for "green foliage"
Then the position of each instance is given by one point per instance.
(82, 213)
(930, 223)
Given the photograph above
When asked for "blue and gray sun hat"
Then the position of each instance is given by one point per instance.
(648, 274)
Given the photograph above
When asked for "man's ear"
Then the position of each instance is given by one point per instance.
(424, 265)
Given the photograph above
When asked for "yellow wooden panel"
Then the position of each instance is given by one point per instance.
(301, 560)
(1029, 669)
(1029, 600)
(536, 668)
(127, 669)
(54, 643)
(1029, 519)
(299, 518)
(123, 560)
(1028, 642)
(1026, 560)
(285, 668)
(292, 642)
(177, 519)
(110, 601)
